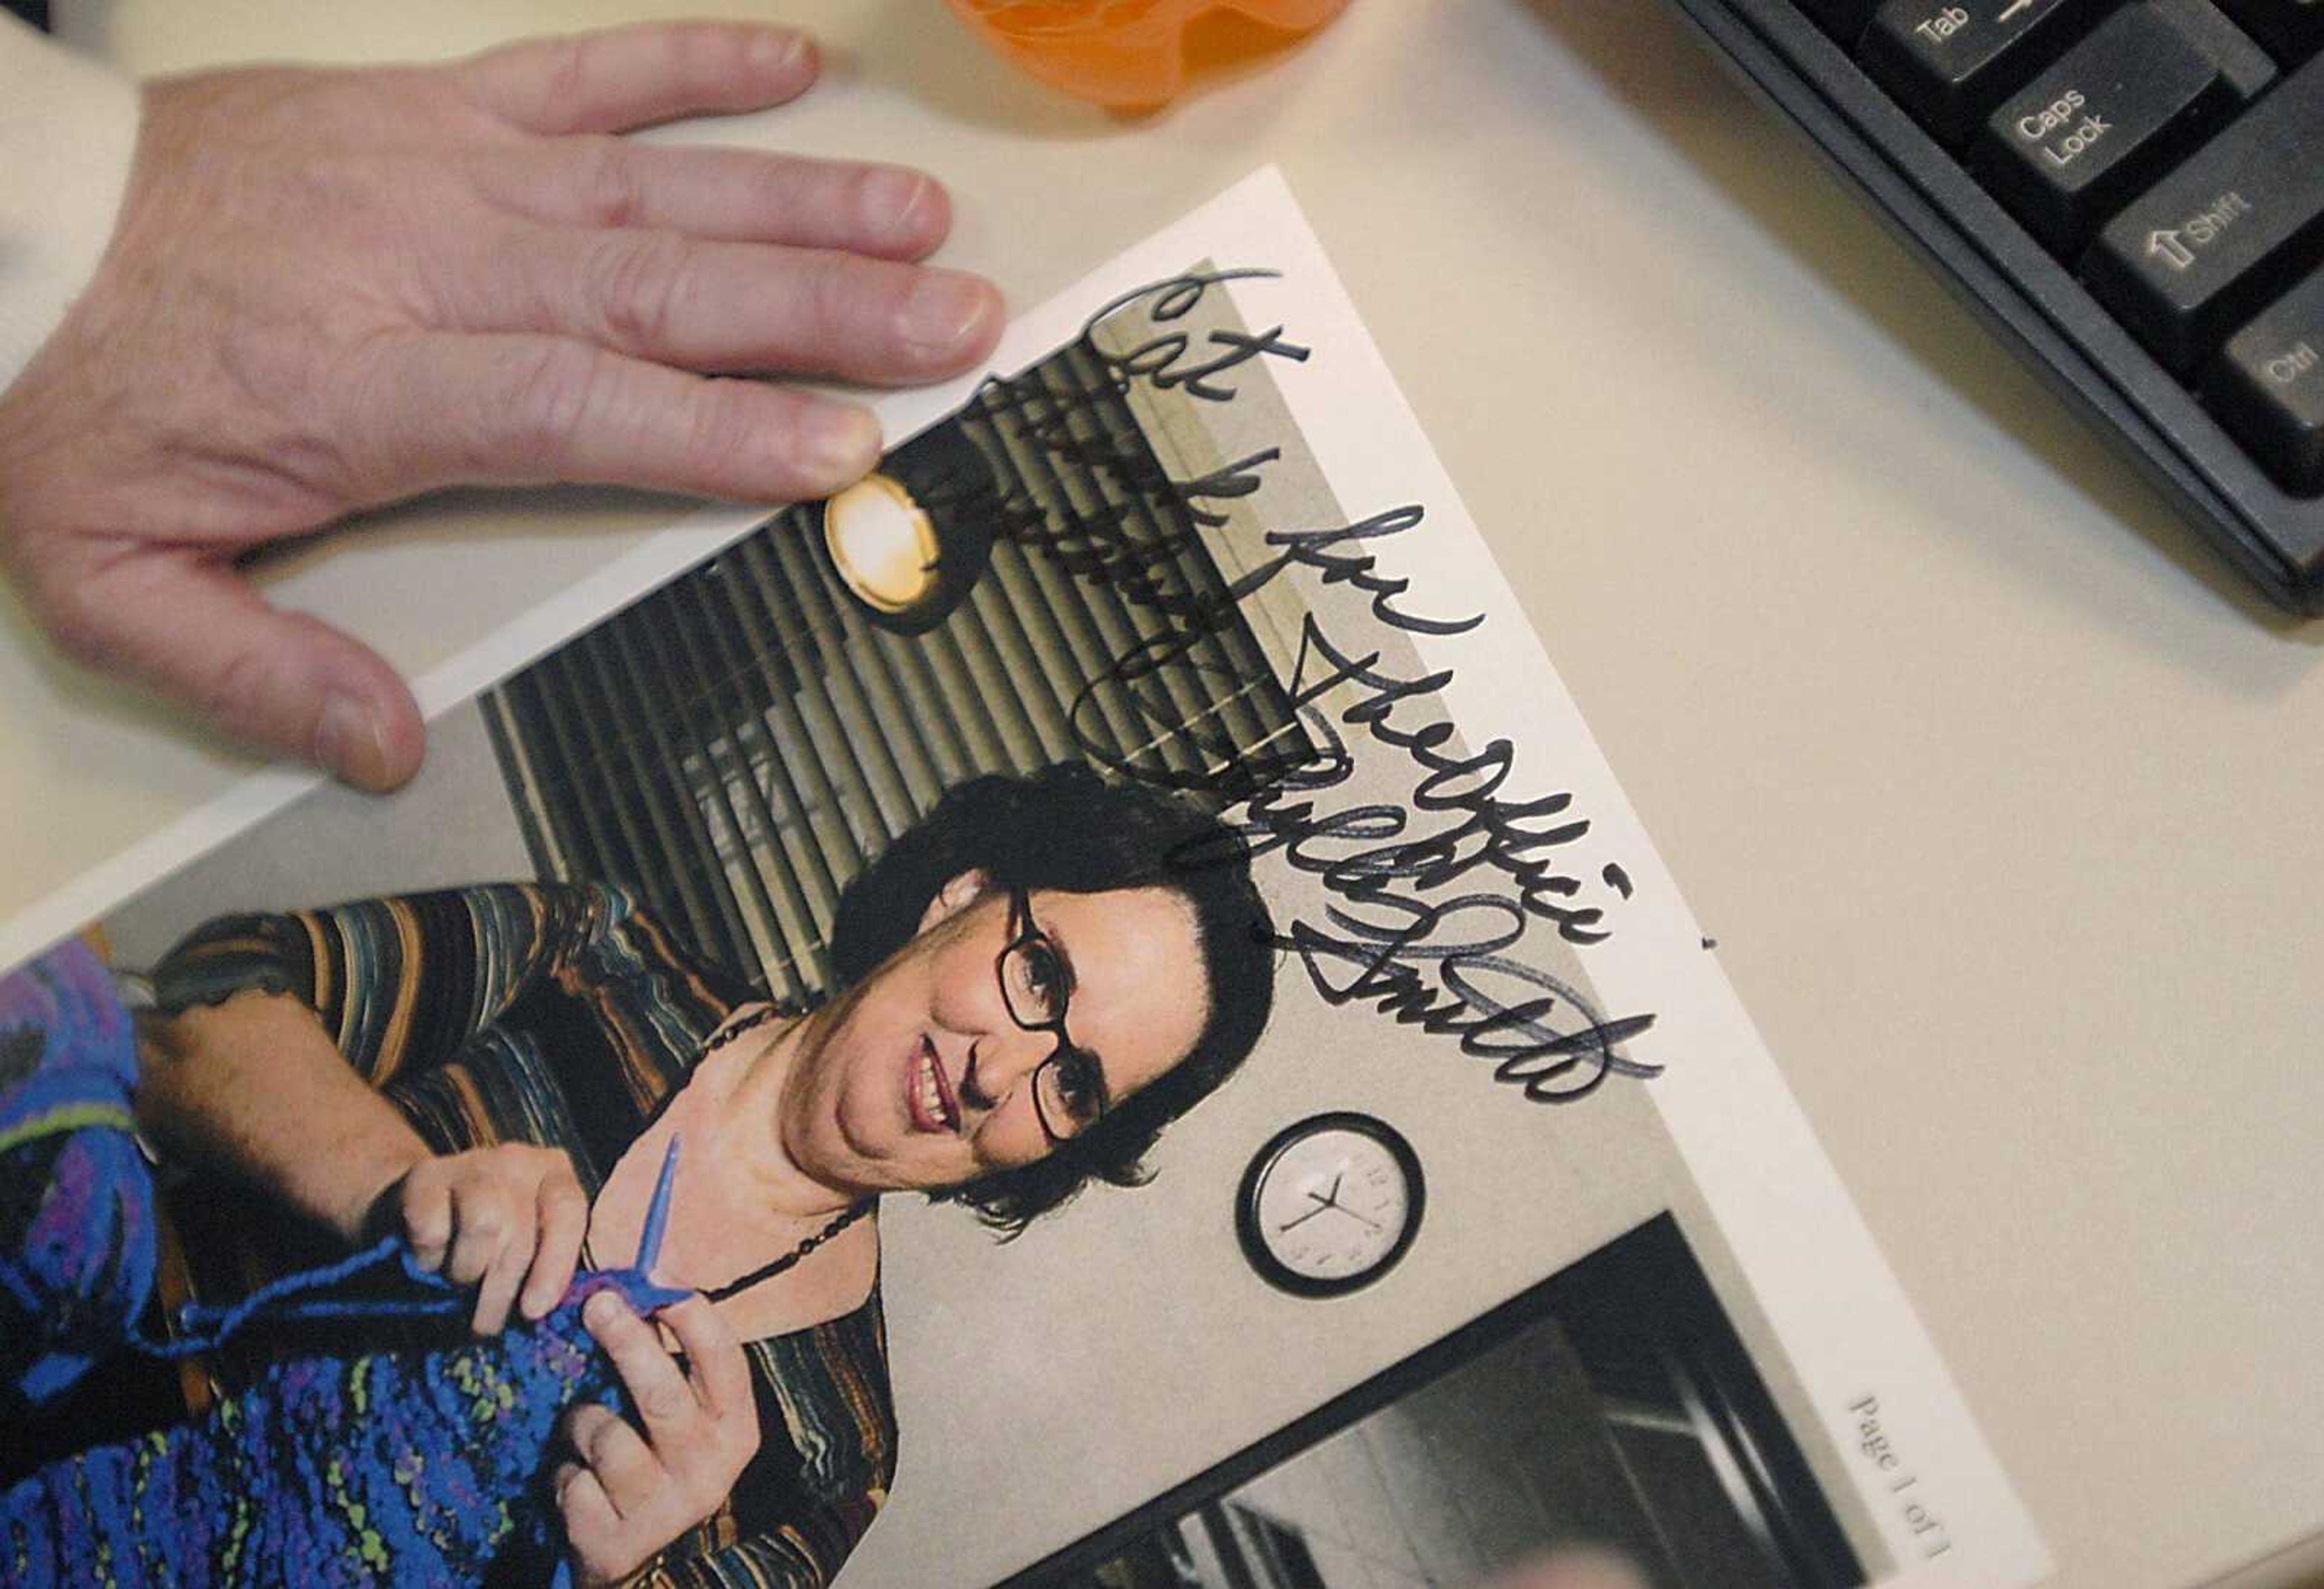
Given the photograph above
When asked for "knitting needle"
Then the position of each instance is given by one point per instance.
(658, 1211)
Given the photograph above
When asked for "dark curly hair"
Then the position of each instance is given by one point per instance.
(1069, 829)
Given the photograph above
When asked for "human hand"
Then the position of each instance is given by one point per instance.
(494, 1218)
(632, 1494)
(1573, 1567)
(328, 290)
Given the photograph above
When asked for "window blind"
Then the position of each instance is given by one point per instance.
(735, 746)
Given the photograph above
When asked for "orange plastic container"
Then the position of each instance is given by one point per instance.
(1136, 53)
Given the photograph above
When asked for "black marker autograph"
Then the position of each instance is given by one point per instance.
(1394, 935)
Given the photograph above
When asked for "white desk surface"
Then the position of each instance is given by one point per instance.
(2001, 799)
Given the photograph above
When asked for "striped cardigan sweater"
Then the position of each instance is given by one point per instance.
(560, 1017)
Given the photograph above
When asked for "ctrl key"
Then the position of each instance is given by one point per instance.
(2267, 386)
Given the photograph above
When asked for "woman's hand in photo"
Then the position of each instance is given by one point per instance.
(497, 1219)
(632, 1494)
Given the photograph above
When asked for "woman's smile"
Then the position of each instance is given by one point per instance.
(921, 1076)
(928, 1094)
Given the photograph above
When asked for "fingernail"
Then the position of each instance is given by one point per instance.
(944, 308)
(601, 1311)
(895, 200)
(347, 741)
(839, 443)
(778, 49)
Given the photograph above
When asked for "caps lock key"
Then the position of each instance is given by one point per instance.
(2093, 130)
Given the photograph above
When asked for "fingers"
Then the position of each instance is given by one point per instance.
(501, 1279)
(582, 1501)
(616, 1455)
(735, 306)
(491, 1250)
(633, 77)
(198, 633)
(732, 195)
(665, 1401)
(721, 1373)
(632, 1494)
(517, 409)
(730, 307)
(564, 1221)
(1585, 1567)
(428, 1219)
(504, 1219)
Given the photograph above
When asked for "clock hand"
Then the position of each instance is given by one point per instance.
(1351, 1214)
(1320, 1208)
(1332, 1196)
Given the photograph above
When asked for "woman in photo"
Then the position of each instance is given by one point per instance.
(1031, 984)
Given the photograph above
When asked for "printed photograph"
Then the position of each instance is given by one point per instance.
(1000, 1028)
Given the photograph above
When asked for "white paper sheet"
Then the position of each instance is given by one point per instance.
(1125, 1365)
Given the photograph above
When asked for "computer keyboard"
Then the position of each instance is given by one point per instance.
(2131, 192)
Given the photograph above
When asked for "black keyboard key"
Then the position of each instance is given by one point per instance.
(1951, 61)
(2293, 29)
(2086, 135)
(2221, 234)
(2247, 67)
(2268, 387)
(1844, 20)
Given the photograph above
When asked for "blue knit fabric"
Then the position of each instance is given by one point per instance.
(78, 1250)
(408, 1468)
(419, 1468)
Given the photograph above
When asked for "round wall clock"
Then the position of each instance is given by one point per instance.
(1329, 1204)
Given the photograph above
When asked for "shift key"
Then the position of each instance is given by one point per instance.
(2214, 240)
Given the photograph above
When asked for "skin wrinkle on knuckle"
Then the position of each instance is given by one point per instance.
(429, 1225)
(229, 690)
(606, 1440)
(853, 302)
(610, 180)
(370, 409)
(562, 83)
(536, 419)
(663, 1403)
(774, 190)
(639, 285)
(720, 435)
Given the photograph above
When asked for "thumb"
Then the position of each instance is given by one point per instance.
(1585, 1567)
(284, 682)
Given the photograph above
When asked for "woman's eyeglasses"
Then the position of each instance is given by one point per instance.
(1036, 985)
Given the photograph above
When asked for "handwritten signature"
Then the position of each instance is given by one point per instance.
(1395, 935)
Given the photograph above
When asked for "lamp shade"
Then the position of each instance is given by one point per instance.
(909, 541)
